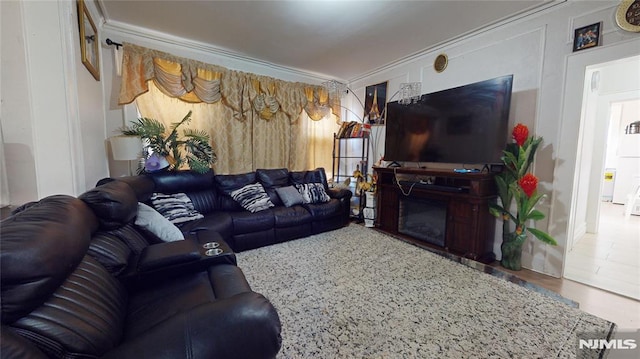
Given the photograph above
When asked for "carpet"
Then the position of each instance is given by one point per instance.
(357, 293)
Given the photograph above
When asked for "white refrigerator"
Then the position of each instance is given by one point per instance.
(628, 169)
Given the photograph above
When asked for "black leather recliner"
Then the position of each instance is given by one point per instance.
(62, 299)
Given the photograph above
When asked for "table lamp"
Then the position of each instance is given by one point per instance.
(126, 148)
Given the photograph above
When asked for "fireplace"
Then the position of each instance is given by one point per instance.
(423, 219)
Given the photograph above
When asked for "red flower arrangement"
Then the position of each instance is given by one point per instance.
(520, 134)
(516, 183)
(528, 183)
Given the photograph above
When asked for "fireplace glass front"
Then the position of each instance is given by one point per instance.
(423, 219)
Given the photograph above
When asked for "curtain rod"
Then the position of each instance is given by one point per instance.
(109, 42)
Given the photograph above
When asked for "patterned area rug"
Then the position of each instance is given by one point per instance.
(357, 293)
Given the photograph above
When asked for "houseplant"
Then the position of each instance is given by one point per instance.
(192, 149)
(516, 183)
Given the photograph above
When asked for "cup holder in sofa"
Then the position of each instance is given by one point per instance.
(211, 245)
(213, 252)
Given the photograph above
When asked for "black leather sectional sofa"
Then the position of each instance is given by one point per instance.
(79, 279)
(241, 229)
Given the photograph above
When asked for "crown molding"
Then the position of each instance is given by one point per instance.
(522, 16)
(131, 31)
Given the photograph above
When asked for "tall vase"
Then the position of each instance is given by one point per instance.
(512, 250)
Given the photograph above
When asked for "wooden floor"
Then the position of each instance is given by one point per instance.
(623, 311)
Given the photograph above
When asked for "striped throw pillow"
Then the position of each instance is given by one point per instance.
(252, 197)
(313, 192)
(177, 207)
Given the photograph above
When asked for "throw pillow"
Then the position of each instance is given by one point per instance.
(177, 207)
(289, 195)
(313, 192)
(152, 221)
(252, 197)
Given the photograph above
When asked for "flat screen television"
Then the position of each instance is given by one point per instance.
(462, 125)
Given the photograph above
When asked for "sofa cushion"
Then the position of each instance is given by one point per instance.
(291, 216)
(247, 222)
(152, 306)
(218, 221)
(181, 181)
(252, 197)
(289, 196)
(152, 221)
(313, 193)
(114, 203)
(313, 176)
(133, 238)
(271, 180)
(230, 183)
(323, 210)
(204, 201)
(41, 246)
(110, 251)
(83, 318)
(176, 207)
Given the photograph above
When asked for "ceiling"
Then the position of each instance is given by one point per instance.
(337, 39)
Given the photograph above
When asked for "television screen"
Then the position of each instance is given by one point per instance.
(466, 124)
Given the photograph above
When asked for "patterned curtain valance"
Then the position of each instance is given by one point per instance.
(195, 81)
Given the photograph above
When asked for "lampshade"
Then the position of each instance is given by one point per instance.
(126, 148)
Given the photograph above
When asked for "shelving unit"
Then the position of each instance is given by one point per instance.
(350, 153)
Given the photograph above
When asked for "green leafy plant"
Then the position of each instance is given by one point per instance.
(192, 149)
(516, 183)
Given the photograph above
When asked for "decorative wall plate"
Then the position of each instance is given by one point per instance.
(628, 15)
(441, 62)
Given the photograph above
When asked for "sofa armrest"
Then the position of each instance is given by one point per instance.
(340, 193)
(161, 255)
(160, 262)
(243, 326)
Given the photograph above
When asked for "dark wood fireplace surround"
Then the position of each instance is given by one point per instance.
(469, 225)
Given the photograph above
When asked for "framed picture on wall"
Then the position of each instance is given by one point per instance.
(587, 36)
(374, 102)
(88, 41)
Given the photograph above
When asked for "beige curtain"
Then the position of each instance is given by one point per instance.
(319, 139)
(232, 144)
(195, 81)
(243, 146)
(253, 121)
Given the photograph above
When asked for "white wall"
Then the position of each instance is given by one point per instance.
(34, 111)
(535, 50)
(16, 110)
(90, 123)
(56, 118)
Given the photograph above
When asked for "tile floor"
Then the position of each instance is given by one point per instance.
(609, 259)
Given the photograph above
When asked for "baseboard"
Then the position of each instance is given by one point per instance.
(580, 230)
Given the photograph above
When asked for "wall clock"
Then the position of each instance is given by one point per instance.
(628, 15)
(441, 62)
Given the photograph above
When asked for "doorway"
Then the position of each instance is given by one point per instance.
(604, 250)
